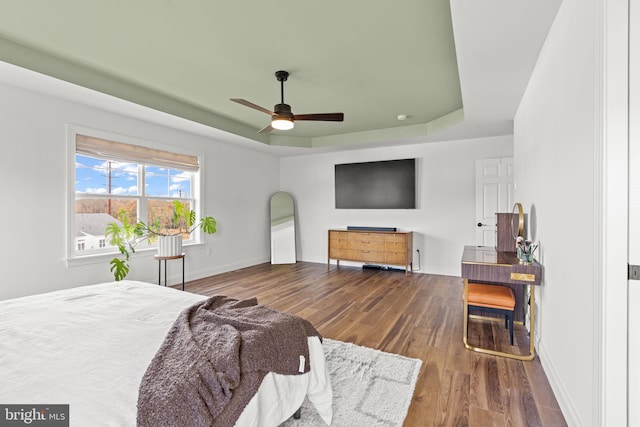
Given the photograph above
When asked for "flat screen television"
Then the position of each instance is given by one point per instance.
(389, 184)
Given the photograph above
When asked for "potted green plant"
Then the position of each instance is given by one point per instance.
(127, 235)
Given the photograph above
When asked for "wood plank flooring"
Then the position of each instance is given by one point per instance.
(417, 316)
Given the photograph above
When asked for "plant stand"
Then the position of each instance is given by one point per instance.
(165, 259)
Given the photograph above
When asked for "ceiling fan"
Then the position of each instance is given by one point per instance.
(281, 117)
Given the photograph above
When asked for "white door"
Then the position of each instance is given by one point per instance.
(494, 193)
(634, 215)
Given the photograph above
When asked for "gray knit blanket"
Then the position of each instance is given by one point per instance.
(214, 358)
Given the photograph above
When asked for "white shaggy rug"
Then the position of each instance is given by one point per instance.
(370, 387)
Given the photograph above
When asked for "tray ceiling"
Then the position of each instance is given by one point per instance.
(371, 60)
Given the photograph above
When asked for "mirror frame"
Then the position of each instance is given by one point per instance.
(283, 242)
(517, 206)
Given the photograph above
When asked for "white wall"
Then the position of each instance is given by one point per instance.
(444, 220)
(555, 150)
(33, 165)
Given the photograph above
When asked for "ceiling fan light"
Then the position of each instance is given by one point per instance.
(282, 124)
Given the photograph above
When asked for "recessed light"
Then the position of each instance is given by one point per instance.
(402, 117)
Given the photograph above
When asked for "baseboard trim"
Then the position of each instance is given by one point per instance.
(176, 277)
(224, 268)
(564, 401)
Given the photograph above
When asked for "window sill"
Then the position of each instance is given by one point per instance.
(102, 258)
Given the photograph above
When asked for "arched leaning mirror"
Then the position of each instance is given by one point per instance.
(283, 230)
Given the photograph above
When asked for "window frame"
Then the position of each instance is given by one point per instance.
(100, 254)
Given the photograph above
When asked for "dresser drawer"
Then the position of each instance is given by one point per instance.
(374, 245)
(366, 256)
(399, 258)
(338, 243)
(400, 247)
(338, 253)
(366, 237)
(338, 235)
(400, 238)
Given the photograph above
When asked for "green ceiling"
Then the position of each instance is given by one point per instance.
(370, 60)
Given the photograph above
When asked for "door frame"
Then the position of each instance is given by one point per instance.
(611, 290)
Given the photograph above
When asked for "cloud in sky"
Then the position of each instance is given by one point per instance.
(96, 190)
(121, 190)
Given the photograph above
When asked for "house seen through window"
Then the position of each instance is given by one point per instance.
(111, 177)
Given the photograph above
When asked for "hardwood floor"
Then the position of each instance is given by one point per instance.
(417, 316)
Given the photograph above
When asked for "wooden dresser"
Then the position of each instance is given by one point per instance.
(377, 247)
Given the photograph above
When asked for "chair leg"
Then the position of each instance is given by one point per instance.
(510, 317)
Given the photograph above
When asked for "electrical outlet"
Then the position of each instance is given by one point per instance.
(210, 251)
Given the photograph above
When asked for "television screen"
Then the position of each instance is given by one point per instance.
(387, 184)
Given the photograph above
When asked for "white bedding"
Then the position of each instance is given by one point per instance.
(90, 346)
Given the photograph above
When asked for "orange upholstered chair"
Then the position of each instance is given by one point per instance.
(493, 299)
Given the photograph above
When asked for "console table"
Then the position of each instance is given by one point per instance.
(383, 247)
(481, 264)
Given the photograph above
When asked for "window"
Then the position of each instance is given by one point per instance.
(113, 176)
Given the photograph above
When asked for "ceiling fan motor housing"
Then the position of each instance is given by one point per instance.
(283, 111)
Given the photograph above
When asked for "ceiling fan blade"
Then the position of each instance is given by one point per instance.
(251, 105)
(267, 128)
(323, 117)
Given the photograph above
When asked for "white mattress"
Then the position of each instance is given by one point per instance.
(90, 346)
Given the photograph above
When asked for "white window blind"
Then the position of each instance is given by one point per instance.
(111, 150)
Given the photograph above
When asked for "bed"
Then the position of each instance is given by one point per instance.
(89, 347)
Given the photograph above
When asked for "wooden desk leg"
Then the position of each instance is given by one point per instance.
(465, 328)
(532, 320)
